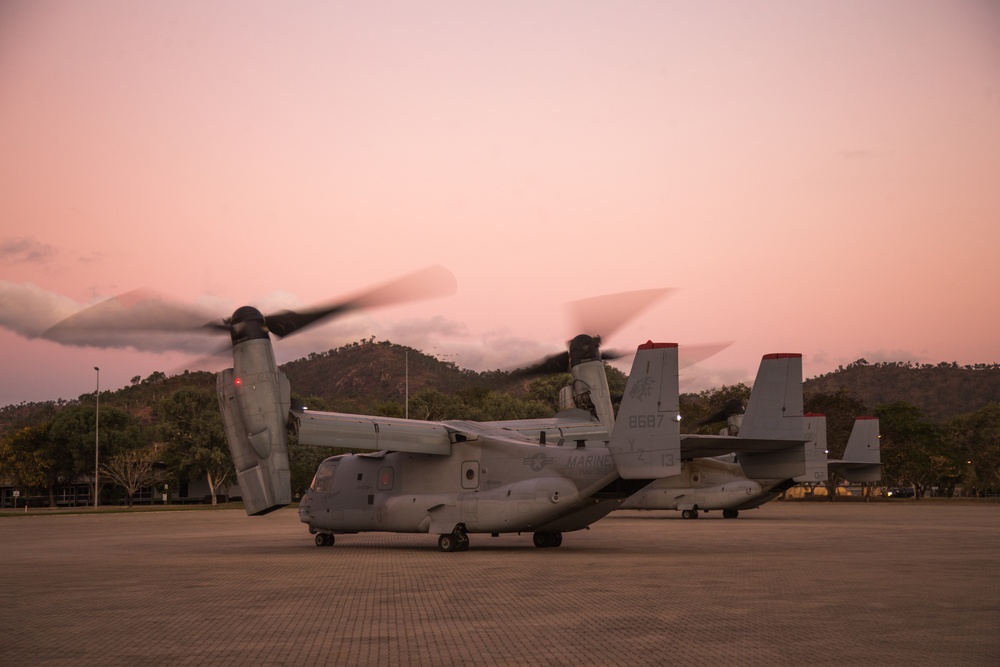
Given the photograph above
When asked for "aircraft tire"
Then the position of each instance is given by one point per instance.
(324, 540)
(730, 514)
(447, 542)
(689, 514)
(546, 539)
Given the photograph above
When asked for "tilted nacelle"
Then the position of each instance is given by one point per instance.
(254, 398)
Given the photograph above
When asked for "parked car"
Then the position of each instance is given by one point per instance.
(900, 492)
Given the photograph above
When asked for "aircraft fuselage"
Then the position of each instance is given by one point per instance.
(704, 484)
(489, 485)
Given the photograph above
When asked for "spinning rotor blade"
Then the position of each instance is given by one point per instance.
(603, 315)
(116, 321)
(556, 363)
(146, 320)
(431, 282)
(597, 317)
(689, 355)
(138, 310)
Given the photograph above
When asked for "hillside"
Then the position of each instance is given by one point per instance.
(369, 372)
(362, 376)
(941, 391)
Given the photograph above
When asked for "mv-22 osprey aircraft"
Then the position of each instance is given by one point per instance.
(453, 478)
(745, 480)
(450, 478)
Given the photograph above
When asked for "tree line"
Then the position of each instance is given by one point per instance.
(165, 431)
(958, 455)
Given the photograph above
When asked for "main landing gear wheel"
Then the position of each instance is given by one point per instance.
(547, 539)
(689, 514)
(324, 540)
(457, 541)
(730, 514)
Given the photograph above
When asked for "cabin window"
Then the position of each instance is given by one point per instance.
(470, 474)
(385, 476)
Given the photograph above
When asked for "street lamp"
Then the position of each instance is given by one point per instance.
(97, 433)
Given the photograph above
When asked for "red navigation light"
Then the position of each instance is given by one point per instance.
(238, 382)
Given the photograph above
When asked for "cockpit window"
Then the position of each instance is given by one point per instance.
(323, 481)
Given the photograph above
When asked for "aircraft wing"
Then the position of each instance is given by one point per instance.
(567, 426)
(695, 446)
(335, 429)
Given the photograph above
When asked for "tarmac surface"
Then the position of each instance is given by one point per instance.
(893, 583)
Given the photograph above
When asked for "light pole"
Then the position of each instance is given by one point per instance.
(97, 433)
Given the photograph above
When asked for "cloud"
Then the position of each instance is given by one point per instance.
(24, 250)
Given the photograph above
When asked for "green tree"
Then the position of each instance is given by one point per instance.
(976, 438)
(498, 405)
(74, 429)
(191, 427)
(912, 448)
(23, 459)
(546, 389)
(433, 405)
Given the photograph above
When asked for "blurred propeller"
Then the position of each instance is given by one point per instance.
(599, 317)
(427, 283)
(688, 355)
(116, 321)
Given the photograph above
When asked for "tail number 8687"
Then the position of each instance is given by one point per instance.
(645, 421)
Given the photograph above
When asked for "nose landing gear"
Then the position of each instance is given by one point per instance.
(456, 540)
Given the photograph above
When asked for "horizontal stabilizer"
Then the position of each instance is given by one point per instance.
(783, 464)
(697, 446)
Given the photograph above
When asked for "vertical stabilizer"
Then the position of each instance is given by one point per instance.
(862, 456)
(645, 442)
(863, 445)
(774, 410)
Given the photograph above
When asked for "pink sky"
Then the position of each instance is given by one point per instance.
(812, 177)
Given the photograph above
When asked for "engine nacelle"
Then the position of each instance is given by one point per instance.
(254, 397)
